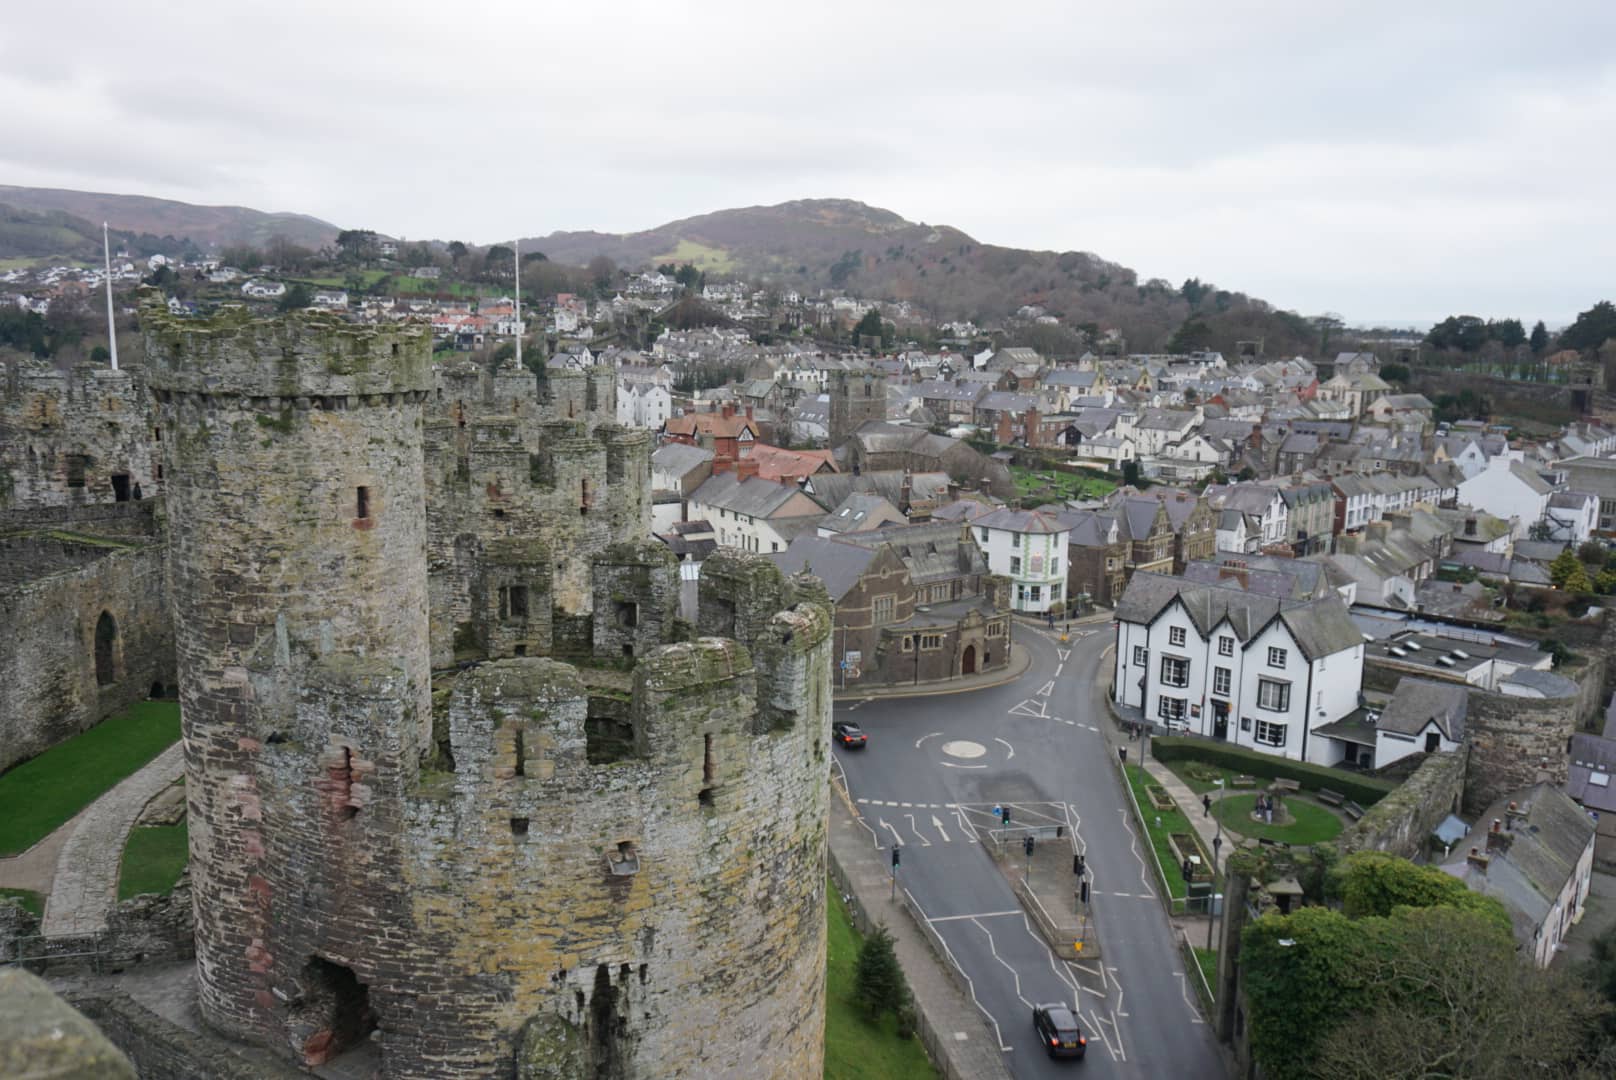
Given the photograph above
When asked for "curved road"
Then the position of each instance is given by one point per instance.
(934, 770)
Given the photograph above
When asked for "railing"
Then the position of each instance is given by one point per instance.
(38, 949)
(1192, 963)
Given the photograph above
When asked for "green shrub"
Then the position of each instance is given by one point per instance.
(1363, 790)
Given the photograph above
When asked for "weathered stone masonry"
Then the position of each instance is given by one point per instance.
(534, 869)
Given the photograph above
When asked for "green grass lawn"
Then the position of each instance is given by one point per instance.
(153, 860)
(1198, 776)
(43, 792)
(1058, 485)
(1208, 959)
(854, 1048)
(1313, 824)
(1172, 821)
(32, 901)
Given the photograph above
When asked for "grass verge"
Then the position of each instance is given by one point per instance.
(1170, 821)
(153, 860)
(44, 792)
(31, 901)
(1313, 824)
(1208, 959)
(856, 1049)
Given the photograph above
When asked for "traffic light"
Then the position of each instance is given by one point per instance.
(1004, 815)
(1026, 845)
(1085, 890)
(1077, 865)
(895, 852)
(1060, 831)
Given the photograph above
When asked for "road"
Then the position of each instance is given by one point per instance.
(935, 769)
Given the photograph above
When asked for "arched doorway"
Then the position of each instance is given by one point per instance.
(106, 635)
(968, 661)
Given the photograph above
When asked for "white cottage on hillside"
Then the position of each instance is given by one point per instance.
(1029, 548)
(1509, 490)
(1252, 670)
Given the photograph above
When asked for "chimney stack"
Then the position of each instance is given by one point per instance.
(745, 469)
(727, 410)
(1477, 859)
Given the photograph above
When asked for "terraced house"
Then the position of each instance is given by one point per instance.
(1258, 671)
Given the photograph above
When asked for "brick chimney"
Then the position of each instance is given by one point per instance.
(1477, 859)
(749, 412)
(1497, 839)
(745, 469)
(1377, 530)
(727, 410)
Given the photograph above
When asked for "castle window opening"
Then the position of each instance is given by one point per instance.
(157, 434)
(708, 765)
(362, 503)
(106, 637)
(519, 827)
(513, 602)
(521, 752)
(607, 739)
(628, 614)
(345, 778)
(337, 1006)
(76, 466)
(583, 496)
(120, 487)
(521, 650)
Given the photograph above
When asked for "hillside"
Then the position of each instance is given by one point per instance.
(205, 226)
(836, 243)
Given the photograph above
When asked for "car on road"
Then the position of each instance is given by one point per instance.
(848, 734)
(1057, 1028)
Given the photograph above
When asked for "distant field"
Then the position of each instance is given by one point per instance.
(700, 256)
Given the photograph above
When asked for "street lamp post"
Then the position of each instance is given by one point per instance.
(1211, 908)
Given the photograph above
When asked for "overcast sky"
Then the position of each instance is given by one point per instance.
(1386, 161)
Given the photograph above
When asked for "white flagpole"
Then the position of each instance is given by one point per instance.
(112, 329)
(516, 260)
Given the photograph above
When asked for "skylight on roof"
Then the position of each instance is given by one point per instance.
(1599, 779)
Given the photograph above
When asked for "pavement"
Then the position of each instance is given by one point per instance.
(85, 884)
(930, 780)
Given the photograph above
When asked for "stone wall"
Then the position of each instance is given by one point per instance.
(162, 1050)
(1514, 743)
(87, 633)
(1401, 822)
(64, 436)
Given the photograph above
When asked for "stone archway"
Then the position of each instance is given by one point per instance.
(968, 661)
(106, 640)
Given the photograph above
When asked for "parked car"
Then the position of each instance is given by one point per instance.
(1057, 1027)
(848, 734)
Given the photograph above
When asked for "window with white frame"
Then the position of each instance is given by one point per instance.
(1175, 671)
(1276, 656)
(1175, 635)
(931, 641)
(882, 608)
(1139, 655)
(1225, 646)
(1273, 696)
(1015, 564)
(1220, 681)
(1170, 708)
(1270, 734)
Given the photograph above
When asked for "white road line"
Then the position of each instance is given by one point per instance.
(1063, 654)
(955, 765)
(1030, 708)
(864, 800)
(1133, 846)
(978, 915)
(923, 738)
(1046, 689)
(1014, 974)
(966, 827)
(1184, 992)
(1058, 669)
(923, 841)
(1092, 728)
(908, 804)
(897, 841)
(1009, 751)
(938, 825)
(969, 985)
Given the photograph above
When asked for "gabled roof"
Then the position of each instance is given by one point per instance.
(1319, 627)
(837, 564)
(1418, 702)
(754, 496)
(679, 458)
(1021, 521)
(1546, 840)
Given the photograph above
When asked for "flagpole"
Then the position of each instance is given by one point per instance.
(112, 329)
(516, 260)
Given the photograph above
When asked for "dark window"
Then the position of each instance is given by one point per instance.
(76, 464)
(362, 503)
(628, 614)
(1433, 742)
(120, 487)
(513, 602)
(518, 824)
(583, 496)
(106, 636)
(521, 753)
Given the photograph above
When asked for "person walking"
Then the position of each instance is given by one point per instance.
(1206, 805)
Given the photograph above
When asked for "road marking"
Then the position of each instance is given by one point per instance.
(864, 800)
(1073, 723)
(1009, 751)
(923, 738)
(1184, 992)
(1031, 708)
(993, 948)
(908, 804)
(964, 748)
(1059, 668)
(957, 765)
(978, 915)
(897, 841)
(1064, 654)
(856, 704)
(923, 841)
(1046, 689)
(1092, 728)
(971, 986)
(966, 827)
(938, 825)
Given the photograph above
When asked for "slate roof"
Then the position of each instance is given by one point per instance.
(1021, 521)
(1546, 683)
(1320, 627)
(855, 512)
(837, 564)
(1592, 779)
(754, 496)
(1417, 702)
(1267, 575)
(679, 458)
(931, 550)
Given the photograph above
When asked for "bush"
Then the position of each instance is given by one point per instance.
(1363, 790)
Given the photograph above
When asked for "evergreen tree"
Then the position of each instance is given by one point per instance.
(878, 980)
(1540, 338)
(1577, 581)
(1562, 566)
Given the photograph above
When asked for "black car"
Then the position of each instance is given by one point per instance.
(848, 734)
(1057, 1027)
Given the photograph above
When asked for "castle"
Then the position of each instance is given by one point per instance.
(460, 778)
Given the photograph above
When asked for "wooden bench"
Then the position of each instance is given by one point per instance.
(1289, 787)
(1354, 811)
(1243, 781)
(1334, 798)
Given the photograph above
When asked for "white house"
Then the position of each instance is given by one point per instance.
(642, 403)
(1423, 717)
(753, 514)
(1028, 547)
(1252, 670)
(1572, 516)
(1509, 490)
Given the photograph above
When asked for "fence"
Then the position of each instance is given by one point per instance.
(37, 949)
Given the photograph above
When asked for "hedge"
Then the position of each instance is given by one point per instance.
(1364, 790)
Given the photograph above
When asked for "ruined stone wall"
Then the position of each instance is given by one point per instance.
(636, 598)
(55, 591)
(1515, 742)
(1401, 822)
(65, 435)
(297, 553)
(162, 1050)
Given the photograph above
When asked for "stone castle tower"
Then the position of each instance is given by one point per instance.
(513, 865)
(855, 397)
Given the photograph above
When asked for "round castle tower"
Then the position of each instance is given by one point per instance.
(297, 530)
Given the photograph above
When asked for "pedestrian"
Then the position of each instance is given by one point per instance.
(1268, 810)
(1206, 805)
